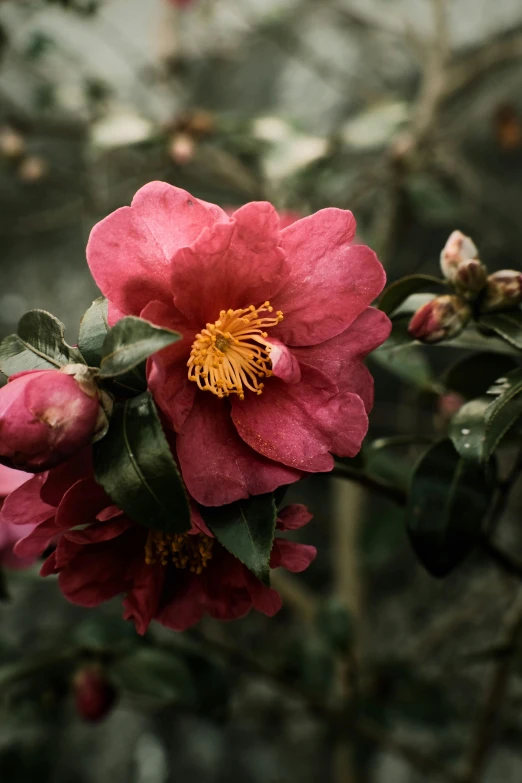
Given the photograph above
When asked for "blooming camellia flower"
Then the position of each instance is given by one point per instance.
(268, 381)
(48, 415)
(173, 578)
(10, 534)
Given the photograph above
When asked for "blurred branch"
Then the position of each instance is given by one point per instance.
(484, 735)
(296, 595)
(372, 483)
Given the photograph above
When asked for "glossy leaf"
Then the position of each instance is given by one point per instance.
(448, 500)
(157, 675)
(507, 325)
(93, 330)
(39, 344)
(479, 426)
(408, 362)
(473, 375)
(134, 465)
(246, 529)
(130, 342)
(399, 291)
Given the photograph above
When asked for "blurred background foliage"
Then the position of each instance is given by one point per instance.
(408, 112)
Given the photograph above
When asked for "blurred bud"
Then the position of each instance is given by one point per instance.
(503, 291)
(182, 149)
(12, 144)
(46, 416)
(94, 694)
(458, 248)
(32, 169)
(470, 277)
(449, 404)
(441, 319)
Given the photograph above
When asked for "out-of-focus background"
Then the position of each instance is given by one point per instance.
(408, 112)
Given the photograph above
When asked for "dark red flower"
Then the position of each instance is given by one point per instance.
(101, 553)
(94, 693)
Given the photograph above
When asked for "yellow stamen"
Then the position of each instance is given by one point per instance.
(232, 354)
(185, 551)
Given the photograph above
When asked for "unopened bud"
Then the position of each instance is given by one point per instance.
(470, 277)
(458, 248)
(182, 149)
(94, 694)
(46, 416)
(503, 291)
(441, 319)
(12, 144)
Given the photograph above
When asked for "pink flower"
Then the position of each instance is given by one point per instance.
(9, 533)
(48, 415)
(100, 553)
(269, 380)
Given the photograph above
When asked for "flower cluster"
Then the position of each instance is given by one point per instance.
(256, 331)
(475, 293)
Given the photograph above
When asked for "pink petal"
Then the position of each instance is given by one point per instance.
(264, 599)
(60, 479)
(25, 505)
(114, 314)
(167, 372)
(11, 479)
(331, 281)
(96, 574)
(291, 555)
(284, 363)
(341, 357)
(142, 600)
(103, 531)
(81, 504)
(293, 517)
(299, 424)
(231, 265)
(184, 604)
(38, 540)
(109, 513)
(129, 252)
(217, 466)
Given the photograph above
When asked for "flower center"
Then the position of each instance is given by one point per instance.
(185, 551)
(232, 354)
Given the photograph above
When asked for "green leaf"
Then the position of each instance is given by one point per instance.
(246, 529)
(479, 426)
(134, 465)
(155, 674)
(448, 500)
(473, 375)
(407, 362)
(93, 330)
(130, 342)
(39, 344)
(507, 325)
(399, 291)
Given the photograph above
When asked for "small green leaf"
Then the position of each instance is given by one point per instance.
(479, 426)
(246, 529)
(448, 500)
(507, 325)
(134, 465)
(39, 344)
(399, 291)
(407, 362)
(93, 330)
(157, 675)
(130, 342)
(473, 375)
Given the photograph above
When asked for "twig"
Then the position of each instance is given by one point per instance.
(484, 735)
(432, 88)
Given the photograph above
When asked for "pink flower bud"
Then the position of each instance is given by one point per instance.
(470, 277)
(458, 248)
(48, 415)
(503, 290)
(441, 319)
(94, 694)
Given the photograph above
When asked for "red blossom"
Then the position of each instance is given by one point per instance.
(11, 533)
(275, 322)
(100, 553)
(94, 694)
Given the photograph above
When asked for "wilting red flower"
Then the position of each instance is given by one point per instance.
(94, 693)
(48, 415)
(268, 380)
(9, 533)
(175, 579)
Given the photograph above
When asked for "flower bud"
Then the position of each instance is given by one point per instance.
(503, 291)
(470, 277)
(94, 694)
(441, 319)
(458, 248)
(46, 416)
